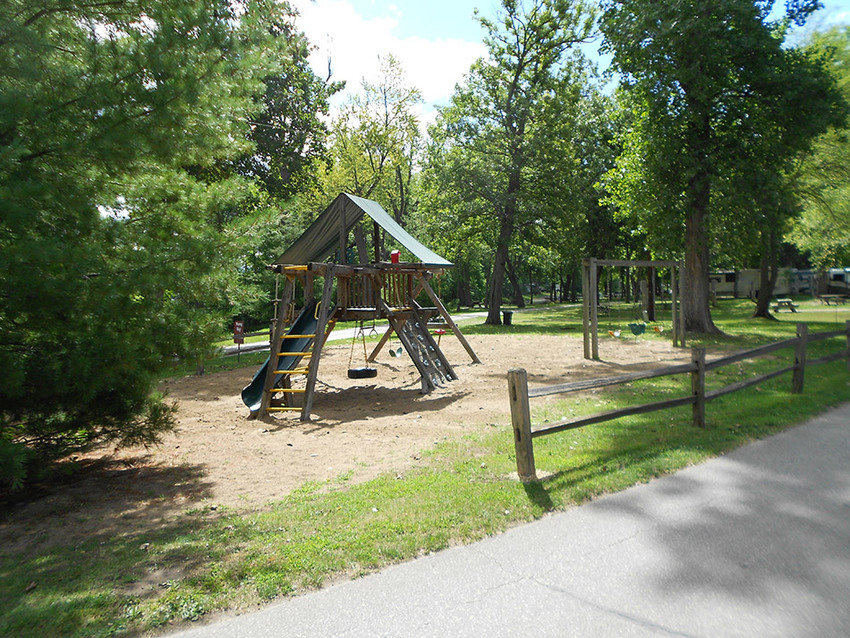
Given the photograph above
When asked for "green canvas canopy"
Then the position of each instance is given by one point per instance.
(330, 232)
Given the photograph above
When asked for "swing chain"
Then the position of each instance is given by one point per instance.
(359, 331)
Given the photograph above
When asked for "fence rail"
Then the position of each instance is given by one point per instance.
(519, 393)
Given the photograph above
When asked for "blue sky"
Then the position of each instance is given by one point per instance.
(435, 40)
(430, 18)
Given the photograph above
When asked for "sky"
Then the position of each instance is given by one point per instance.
(436, 41)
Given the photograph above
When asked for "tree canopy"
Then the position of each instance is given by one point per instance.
(710, 122)
(494, 133)
(822, 178)
(114, 245)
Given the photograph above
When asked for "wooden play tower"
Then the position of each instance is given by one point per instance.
(364, 291)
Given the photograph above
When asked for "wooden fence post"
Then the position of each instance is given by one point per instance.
(594, 309)
(682, 328)
(698, 386)
(847, 327)
(585, 306)
(521, 420)
(798, 376)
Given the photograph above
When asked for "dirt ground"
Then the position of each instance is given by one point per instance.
(217, 456)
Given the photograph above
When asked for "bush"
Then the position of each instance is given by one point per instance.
(14, 463)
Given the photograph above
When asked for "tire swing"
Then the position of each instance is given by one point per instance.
(366, 372)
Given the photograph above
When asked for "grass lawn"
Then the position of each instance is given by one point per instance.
(466, 491)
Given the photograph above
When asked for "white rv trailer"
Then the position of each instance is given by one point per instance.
(838, 281)
(746, 283)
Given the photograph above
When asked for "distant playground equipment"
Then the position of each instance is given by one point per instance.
(361, 292)
(637, 329)
(646, 308)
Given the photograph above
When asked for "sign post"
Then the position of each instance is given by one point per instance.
(238, 336)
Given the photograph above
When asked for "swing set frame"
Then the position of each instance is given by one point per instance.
(590, 297)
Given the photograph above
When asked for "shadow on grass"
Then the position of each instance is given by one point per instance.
(85, 550)
(538, 495)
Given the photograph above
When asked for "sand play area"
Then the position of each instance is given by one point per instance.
(218, 457)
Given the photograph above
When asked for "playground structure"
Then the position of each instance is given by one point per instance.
(360, 292)
(590, 300)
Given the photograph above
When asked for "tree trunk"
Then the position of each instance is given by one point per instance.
(464, 292)
(573, 288)
(768, 274)
(516, 289)
(697, 293)
(506, 231)
(494, 305)
(497, 280)
(696, 297)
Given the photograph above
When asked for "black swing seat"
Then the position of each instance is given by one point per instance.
(362, 373)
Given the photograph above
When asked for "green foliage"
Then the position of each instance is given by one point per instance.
(711, 130)
(289, 136)
(14, 461)
(501, 162)
(822, 180)
(376, 142)
(115, 234)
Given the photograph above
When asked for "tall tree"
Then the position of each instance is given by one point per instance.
(112, 248)
(702, 112)
(376, 141)
(822, 179)
(492, 126)
(289, 136)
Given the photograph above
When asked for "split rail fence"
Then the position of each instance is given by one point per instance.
(520, 394)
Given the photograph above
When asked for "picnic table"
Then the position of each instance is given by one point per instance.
(830, 300)
(787, 304)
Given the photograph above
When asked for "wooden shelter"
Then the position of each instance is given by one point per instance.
(363, 291)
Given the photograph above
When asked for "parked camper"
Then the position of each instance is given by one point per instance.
(746, 283)
(838, 281)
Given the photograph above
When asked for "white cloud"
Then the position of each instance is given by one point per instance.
(355, 45)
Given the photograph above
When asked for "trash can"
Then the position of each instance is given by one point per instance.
(507, 317)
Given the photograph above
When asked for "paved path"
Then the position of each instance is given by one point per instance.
(754, 543)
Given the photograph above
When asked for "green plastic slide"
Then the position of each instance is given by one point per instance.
(305, 324)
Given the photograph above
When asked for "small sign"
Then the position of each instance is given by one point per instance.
(239, 331)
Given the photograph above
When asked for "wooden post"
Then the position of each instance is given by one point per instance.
(650, 295)
(376, 241)
(682, 328)
(324, 312)
(521, 420)
(280, 325)
(381, 343)
(798, 376)
(847, 327)
(698, 386)
(673, 298)
(594, 311)
(343, 236)
(423, 283)
(585, 305)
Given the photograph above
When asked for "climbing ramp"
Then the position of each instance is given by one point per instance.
(413, 332)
